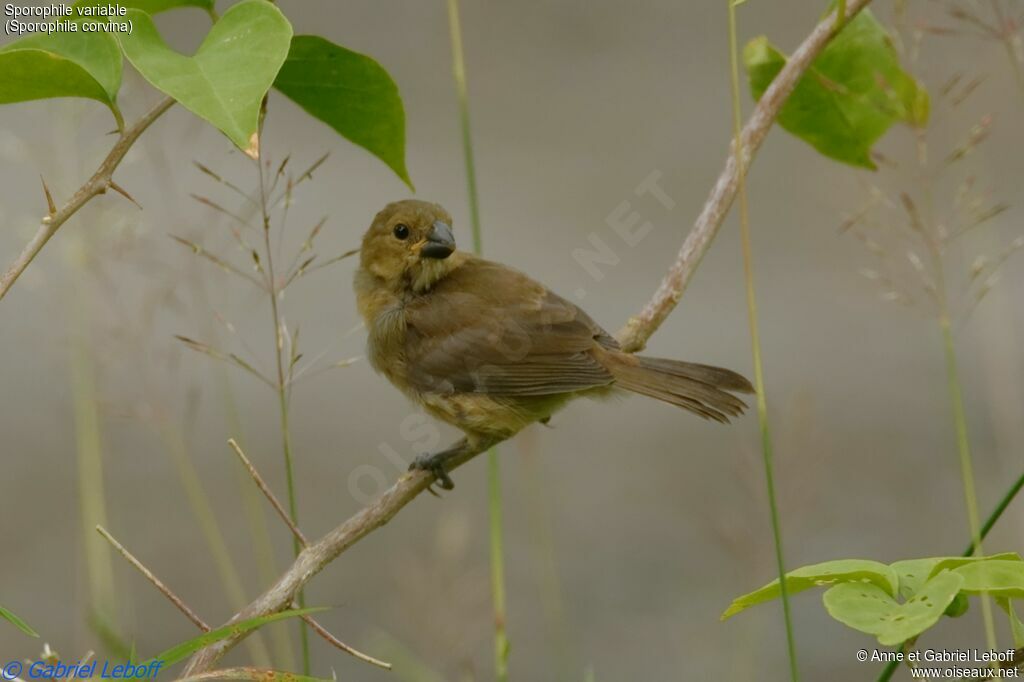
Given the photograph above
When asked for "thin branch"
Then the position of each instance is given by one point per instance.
(265, 489)
(639, 328)
(157, 583)
(100, 181)
(318, 555)
(279, 508)
(322, 631)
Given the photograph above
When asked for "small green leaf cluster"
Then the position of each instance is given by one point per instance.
(899, 601)
(247, 51)
(853, 93)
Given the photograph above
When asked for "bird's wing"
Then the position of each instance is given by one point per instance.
(490, 329)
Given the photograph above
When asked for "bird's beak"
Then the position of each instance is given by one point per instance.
(440, 242)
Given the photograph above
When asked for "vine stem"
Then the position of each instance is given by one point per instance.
(99, 183)
(638, 329)
(755, 343)
(496, 530)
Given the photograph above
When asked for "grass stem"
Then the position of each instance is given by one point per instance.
(281, 389)
(501, 645)
(755, 340)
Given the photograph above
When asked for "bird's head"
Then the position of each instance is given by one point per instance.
(410, 244)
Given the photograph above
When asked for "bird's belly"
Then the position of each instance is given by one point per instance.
(497, 416)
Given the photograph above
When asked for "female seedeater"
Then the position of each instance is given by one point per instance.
(487, 349)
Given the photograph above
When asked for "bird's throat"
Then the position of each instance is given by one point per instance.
(430, 271)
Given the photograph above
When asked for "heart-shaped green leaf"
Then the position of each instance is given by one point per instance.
(1000, 578)
(853, 92)
(913, 573)
(872, 610)
(61, 64)
(864, 572)
(1016, 626)
(225, 81)
(351, 93)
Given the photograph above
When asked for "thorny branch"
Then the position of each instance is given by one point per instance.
(99, 183)
(320, 553)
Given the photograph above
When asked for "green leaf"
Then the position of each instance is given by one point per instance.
(17, 622)
(61, 64)
(914, 572)
(225, 81)
(1000, 578)
(1016, 626)
(958, 606)
(150, 6)
(351, 93)
(38, 74)
(870, 609)
(186, 649)
(853, 92)
(861, 571)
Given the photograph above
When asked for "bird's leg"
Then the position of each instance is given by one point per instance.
(435, 463)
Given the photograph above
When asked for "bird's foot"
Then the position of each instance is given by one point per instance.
(435, 465)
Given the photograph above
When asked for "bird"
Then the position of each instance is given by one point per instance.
(484, 347)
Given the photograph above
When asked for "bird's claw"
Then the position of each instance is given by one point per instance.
(435, 466)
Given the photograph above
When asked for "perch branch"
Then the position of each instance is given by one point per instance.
(100, 182)
(639, 328)
(318, 555)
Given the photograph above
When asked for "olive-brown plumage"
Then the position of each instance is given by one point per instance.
(489, 350)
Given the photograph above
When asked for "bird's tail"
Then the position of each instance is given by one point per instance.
(701, 389)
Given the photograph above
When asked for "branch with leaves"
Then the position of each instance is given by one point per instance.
(253, 38)
(316, 556)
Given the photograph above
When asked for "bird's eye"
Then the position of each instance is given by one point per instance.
(401, 231)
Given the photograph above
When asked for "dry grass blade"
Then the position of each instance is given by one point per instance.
(216, 260)
(223, 181)
(308, 173)
(960, 14)
(216, 354)
(968, 90)
(298, 272)
(220, 209)
(978, 133)
(332, 261)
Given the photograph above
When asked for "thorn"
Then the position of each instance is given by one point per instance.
(123, 192)
(49, 197)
